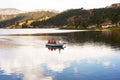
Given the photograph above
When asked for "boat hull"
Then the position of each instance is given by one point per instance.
(55, 45)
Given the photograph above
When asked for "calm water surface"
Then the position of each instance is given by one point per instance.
(88, 55)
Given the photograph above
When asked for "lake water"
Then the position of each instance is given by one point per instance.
(88, 55)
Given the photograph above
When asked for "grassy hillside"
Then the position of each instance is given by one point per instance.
(82, 18)
(6, 17)
(77, 18)
(29, 17)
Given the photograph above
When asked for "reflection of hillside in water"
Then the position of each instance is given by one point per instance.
(99, 37)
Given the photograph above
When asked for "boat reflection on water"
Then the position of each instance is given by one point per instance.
(54, 48)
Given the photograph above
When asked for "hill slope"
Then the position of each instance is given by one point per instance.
(23, 17)
(9, 11)
(84, 18)
(80, 17)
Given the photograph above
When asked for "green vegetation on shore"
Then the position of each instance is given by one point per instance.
(82, 18)
(70, 19)
(83, 28)
(114, 28)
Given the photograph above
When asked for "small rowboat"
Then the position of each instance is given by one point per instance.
(55, 45)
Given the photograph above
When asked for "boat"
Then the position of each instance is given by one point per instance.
(60, 45)
(55, 44)
(52, 45)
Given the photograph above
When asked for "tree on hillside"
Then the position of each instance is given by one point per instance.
(76, 21)
(115, 19)
(17, 24)
(70, 21)
(25, 25)
(79, 21)
(82, 18)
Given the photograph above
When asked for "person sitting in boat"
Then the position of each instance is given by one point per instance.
(54, 42)
(51, 42)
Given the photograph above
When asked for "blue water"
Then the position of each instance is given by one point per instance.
(94, 56)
